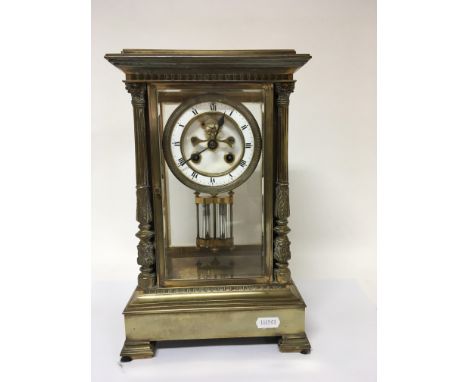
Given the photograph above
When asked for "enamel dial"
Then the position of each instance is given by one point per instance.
(212, 144)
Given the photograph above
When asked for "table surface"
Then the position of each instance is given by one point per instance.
(340, 324)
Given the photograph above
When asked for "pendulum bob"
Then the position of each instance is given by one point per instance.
(214, 222)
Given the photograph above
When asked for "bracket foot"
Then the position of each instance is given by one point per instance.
(137, 350)
(293, 343)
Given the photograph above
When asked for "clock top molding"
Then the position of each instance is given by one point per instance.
(208, 65)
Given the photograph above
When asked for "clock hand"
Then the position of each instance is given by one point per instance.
(206, 148)
(193, 156)
(220, 124)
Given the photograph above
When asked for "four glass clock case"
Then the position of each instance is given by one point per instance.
(194, 220)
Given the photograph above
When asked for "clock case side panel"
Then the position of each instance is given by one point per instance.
(161, 215)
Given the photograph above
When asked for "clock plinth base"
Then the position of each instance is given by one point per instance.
(297, 343)
(137, 350)
(217, 312)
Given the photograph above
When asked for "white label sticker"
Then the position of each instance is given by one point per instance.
(268, 322)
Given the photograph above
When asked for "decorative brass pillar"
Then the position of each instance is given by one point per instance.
(281, 251)
(144, 214)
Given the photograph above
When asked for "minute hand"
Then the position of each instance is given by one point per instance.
(192, 156)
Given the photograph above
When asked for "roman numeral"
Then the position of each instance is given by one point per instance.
(194, 111)
(213, 107)
(212, 180)
(244, 127)
(176, 143)
(231, 175)
(181, 162)
(181, 125)
(243, 163)
(194, 175)
(232, 111)
(248, 145)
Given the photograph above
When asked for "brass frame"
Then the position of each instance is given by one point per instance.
(161, 310)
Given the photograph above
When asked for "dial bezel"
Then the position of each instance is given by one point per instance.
(173, 166)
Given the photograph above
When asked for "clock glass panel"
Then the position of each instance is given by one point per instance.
(212, 147)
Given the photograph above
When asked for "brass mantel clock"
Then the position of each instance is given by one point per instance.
(211, 140)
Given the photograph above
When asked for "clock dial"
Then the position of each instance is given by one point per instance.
(212, 144)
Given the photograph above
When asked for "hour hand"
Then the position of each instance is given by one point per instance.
(220, 124)
(221, 121)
